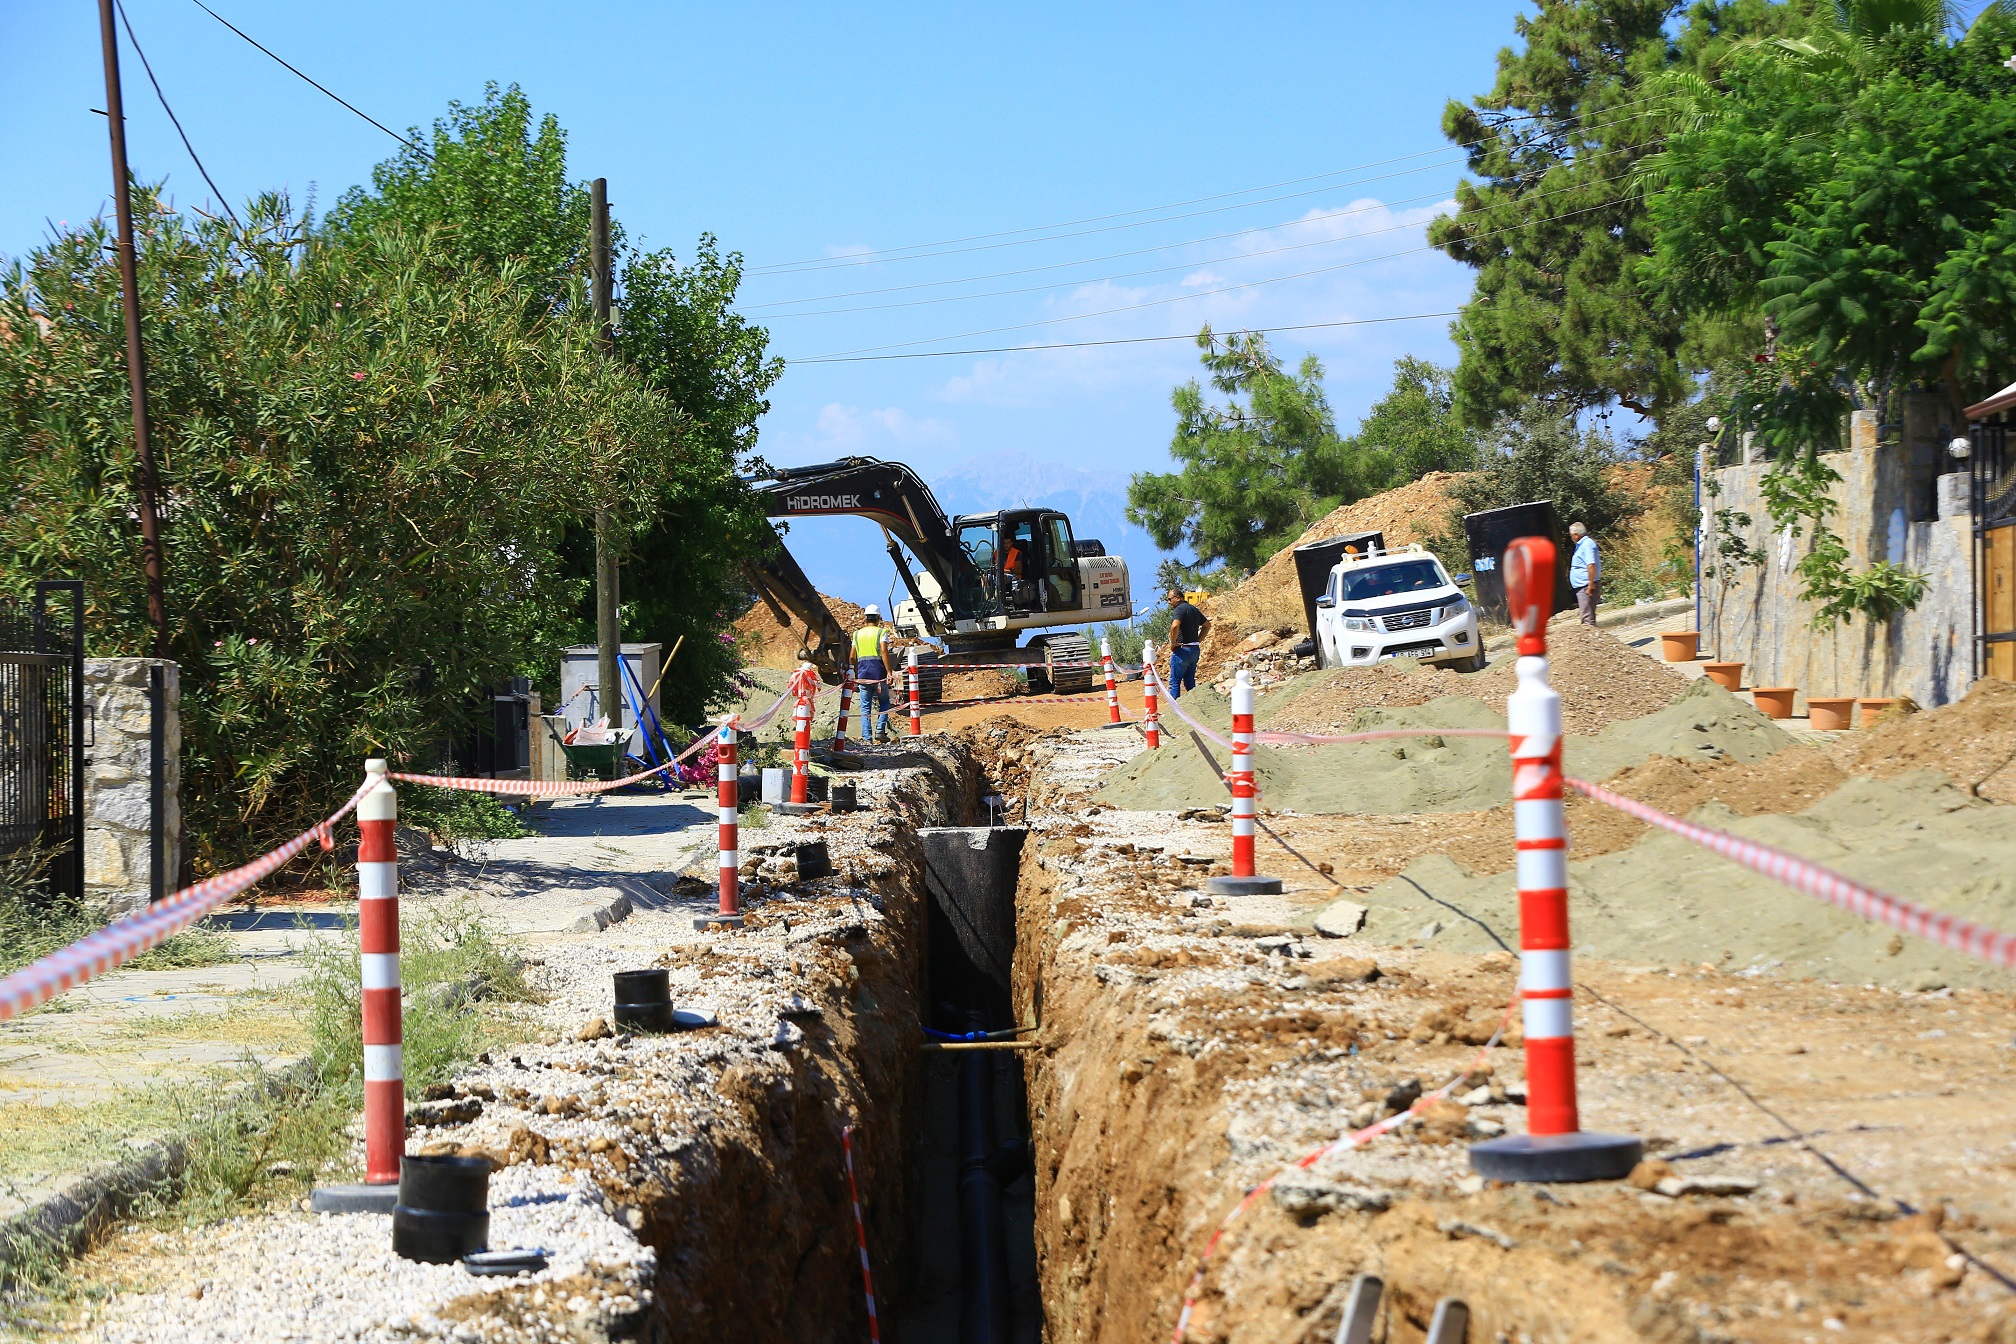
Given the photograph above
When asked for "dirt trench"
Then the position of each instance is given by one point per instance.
(1194, 1050)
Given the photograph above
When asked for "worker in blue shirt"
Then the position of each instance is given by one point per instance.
(1585, 572)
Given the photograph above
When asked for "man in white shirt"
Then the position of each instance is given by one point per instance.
(1585, 572)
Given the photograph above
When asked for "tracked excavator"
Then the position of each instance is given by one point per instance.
(976, 582)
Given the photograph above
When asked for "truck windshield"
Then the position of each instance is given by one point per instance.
(1414, 576)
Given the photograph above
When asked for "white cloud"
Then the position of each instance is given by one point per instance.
(855, 252)
(841, 428)
(1199, 279)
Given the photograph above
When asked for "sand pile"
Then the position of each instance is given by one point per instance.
(768, 644)
(1972, 740)
(1666, 901)
(1600, 680)
(987, 685)
(1273, 598)
(1434, 774)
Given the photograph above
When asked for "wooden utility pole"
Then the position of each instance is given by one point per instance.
(608, 574)
(153, 559)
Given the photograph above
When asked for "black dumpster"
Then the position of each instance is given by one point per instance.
(1491, 532)
(1314, 562)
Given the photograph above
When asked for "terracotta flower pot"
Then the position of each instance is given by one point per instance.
(1831, 713)
(1873, 707)
(1774, 702)
(1679, 646)
(1729, 676)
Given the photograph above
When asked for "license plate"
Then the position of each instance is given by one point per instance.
(1416, 653)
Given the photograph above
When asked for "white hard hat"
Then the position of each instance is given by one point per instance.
(871, 610)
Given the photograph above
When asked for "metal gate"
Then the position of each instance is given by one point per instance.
(1993, 468)
(42, 731)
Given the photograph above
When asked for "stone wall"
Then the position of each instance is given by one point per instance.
(1898, 504)
(117, 813)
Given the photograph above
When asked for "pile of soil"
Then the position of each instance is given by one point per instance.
(1273, 598)
(1600, 680)
(1972, 740)
(1002, 746)
(766, 643)
(1666, 900)
(1435, 774)
(987, 685)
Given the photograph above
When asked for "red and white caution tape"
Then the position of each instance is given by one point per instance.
(1099, 698)
(1354, 1139)
(1961, 935)
(117, 944)
(861, 1236)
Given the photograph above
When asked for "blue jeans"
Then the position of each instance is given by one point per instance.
(873, 680)
(1182, 670)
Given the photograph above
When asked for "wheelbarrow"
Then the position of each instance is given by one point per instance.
(590, 760)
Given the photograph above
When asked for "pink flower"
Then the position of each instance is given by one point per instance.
(358, 376)
(339, 303)
(218, 645)
(253, 640)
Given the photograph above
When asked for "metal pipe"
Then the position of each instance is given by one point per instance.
(982, 1045)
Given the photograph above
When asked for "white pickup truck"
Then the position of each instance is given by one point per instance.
(1396, 604)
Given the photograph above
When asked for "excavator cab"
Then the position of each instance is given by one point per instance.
(1025, 561)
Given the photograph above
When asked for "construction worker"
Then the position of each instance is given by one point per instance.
(871, 672)
(1585, 572)
(1186, 643)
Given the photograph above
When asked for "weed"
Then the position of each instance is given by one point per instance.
(35, 921)
(755, 817)
(449, 960)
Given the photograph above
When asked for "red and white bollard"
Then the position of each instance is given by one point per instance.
(846, 708)
(1151, 713)
(801, 735)
(378, 948)
(861, 1236)
(1554, 1148)
(728, 772)
(1112, 688)
(1245, 879)
(378, 942)
(916, 698)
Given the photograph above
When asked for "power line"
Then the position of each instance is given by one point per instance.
(1087, 261)
(1184, 265)
(920, 249)
(1225, 289)
(173, 120)
(318, 87)
(1123, 340)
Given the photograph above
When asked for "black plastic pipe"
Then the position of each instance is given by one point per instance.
(983, 1237)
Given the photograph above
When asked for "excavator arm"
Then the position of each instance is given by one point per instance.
(890, 494)
(794, 601)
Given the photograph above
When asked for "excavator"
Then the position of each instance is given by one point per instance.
(976, 581)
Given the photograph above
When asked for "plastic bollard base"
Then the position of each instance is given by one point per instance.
(1243, 886)
(1121, 723)
(797, 809)
(706, 922)
(1557, 1157)
(354, 1198)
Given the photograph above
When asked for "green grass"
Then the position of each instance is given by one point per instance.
(254, 1135)
(455, 967)
(34, 923)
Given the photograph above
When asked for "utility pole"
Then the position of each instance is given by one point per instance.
(608, 574)
(153, 558)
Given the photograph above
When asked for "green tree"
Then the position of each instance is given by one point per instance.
(370, 458)
(1413, 429)
(678, 328)
(1536, 453)
(1253, 474)
(1555, 226)
(494, 183)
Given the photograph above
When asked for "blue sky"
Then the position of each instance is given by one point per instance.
(818, 141)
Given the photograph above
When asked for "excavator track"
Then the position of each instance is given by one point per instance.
(1070, 661)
